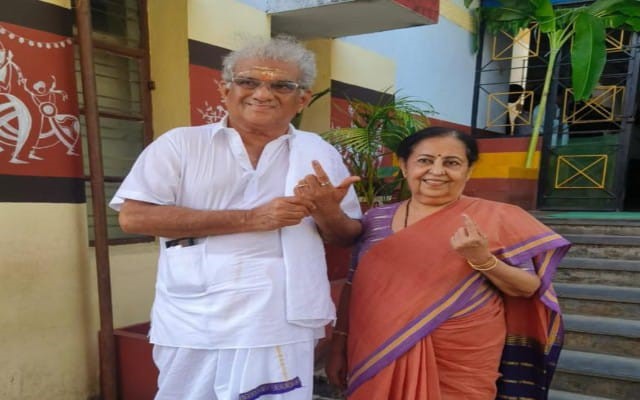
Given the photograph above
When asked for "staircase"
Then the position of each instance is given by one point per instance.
(598, 285)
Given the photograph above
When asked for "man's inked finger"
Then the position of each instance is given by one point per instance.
(323, 179)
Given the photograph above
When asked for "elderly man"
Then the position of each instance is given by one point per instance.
(242, 208)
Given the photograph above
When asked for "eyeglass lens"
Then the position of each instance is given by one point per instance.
(283, 87)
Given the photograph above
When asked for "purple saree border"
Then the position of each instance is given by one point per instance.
(529, 253)
(415, 337)
(559, 247)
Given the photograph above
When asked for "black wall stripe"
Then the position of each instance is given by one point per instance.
(349, 91)
(38, 15)
(39, 189)
(206, 55)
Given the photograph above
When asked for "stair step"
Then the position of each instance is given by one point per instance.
(603, 325)
(599, 271)
(600, 365)
(583, 226)
(562, 395)
(616, 240)
(599, 292)
(601, 264)
(603, 335)
(599, 300)
(601, 375)
(604, 246)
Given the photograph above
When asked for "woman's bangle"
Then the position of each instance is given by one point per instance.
(339, 332)
(486, 266)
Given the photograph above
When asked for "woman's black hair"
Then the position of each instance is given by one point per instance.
(409, 143)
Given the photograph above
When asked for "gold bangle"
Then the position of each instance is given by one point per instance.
(339, 332)
(486, 266)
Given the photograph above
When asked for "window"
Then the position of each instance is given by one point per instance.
(121, 62)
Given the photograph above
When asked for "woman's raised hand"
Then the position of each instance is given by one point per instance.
(470, 242)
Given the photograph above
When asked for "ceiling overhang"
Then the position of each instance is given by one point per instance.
(310, 19)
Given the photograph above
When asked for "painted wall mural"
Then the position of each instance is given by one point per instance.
(205, 75)
(39, 124)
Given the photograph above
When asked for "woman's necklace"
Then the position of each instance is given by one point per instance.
(406, 213)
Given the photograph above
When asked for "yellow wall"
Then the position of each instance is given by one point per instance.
(48, 346)
(357, 66)
(133, 276)
(61, 3)
(316, 117)
(344, 62)
(457, 14)
(48, 335)
(226, 23)
(503, 165)
(169, 52)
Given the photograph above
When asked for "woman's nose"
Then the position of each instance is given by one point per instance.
(437, 168)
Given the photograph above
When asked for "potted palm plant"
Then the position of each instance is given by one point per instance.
(368, 144)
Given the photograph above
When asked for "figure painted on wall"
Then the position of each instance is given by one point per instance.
(63, 128)
(210, 114)
(15, 123)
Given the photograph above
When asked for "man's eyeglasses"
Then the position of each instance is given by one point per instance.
(282, 87)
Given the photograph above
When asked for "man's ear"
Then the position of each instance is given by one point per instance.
(305, 98)
(223, 89)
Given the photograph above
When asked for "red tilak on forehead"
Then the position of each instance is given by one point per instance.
(264, 72)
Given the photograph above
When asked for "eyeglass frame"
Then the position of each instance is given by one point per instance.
(268, 83)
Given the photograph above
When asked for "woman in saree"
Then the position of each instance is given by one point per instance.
(451, 296)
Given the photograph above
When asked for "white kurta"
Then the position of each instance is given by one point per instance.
(242, 290)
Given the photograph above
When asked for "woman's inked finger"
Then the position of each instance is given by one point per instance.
(470, 225)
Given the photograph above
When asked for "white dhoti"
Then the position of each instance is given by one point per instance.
(275, 373)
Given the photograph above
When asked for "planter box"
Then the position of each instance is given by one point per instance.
(137, 374)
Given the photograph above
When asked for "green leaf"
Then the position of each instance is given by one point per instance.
(630, 8)
(387, 172)
(510, 16)
(545, 14)
(634, 24)
(588, 54)
(603, 6)
(614, 21)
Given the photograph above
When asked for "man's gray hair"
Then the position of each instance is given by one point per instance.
(280, 48)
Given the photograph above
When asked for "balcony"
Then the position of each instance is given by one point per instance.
(312, 19)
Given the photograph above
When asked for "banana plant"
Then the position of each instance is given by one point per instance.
(376, 131)
(584, 26)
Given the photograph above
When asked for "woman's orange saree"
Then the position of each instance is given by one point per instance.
(424, 325)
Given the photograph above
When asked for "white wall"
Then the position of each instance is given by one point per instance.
(434, 63)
